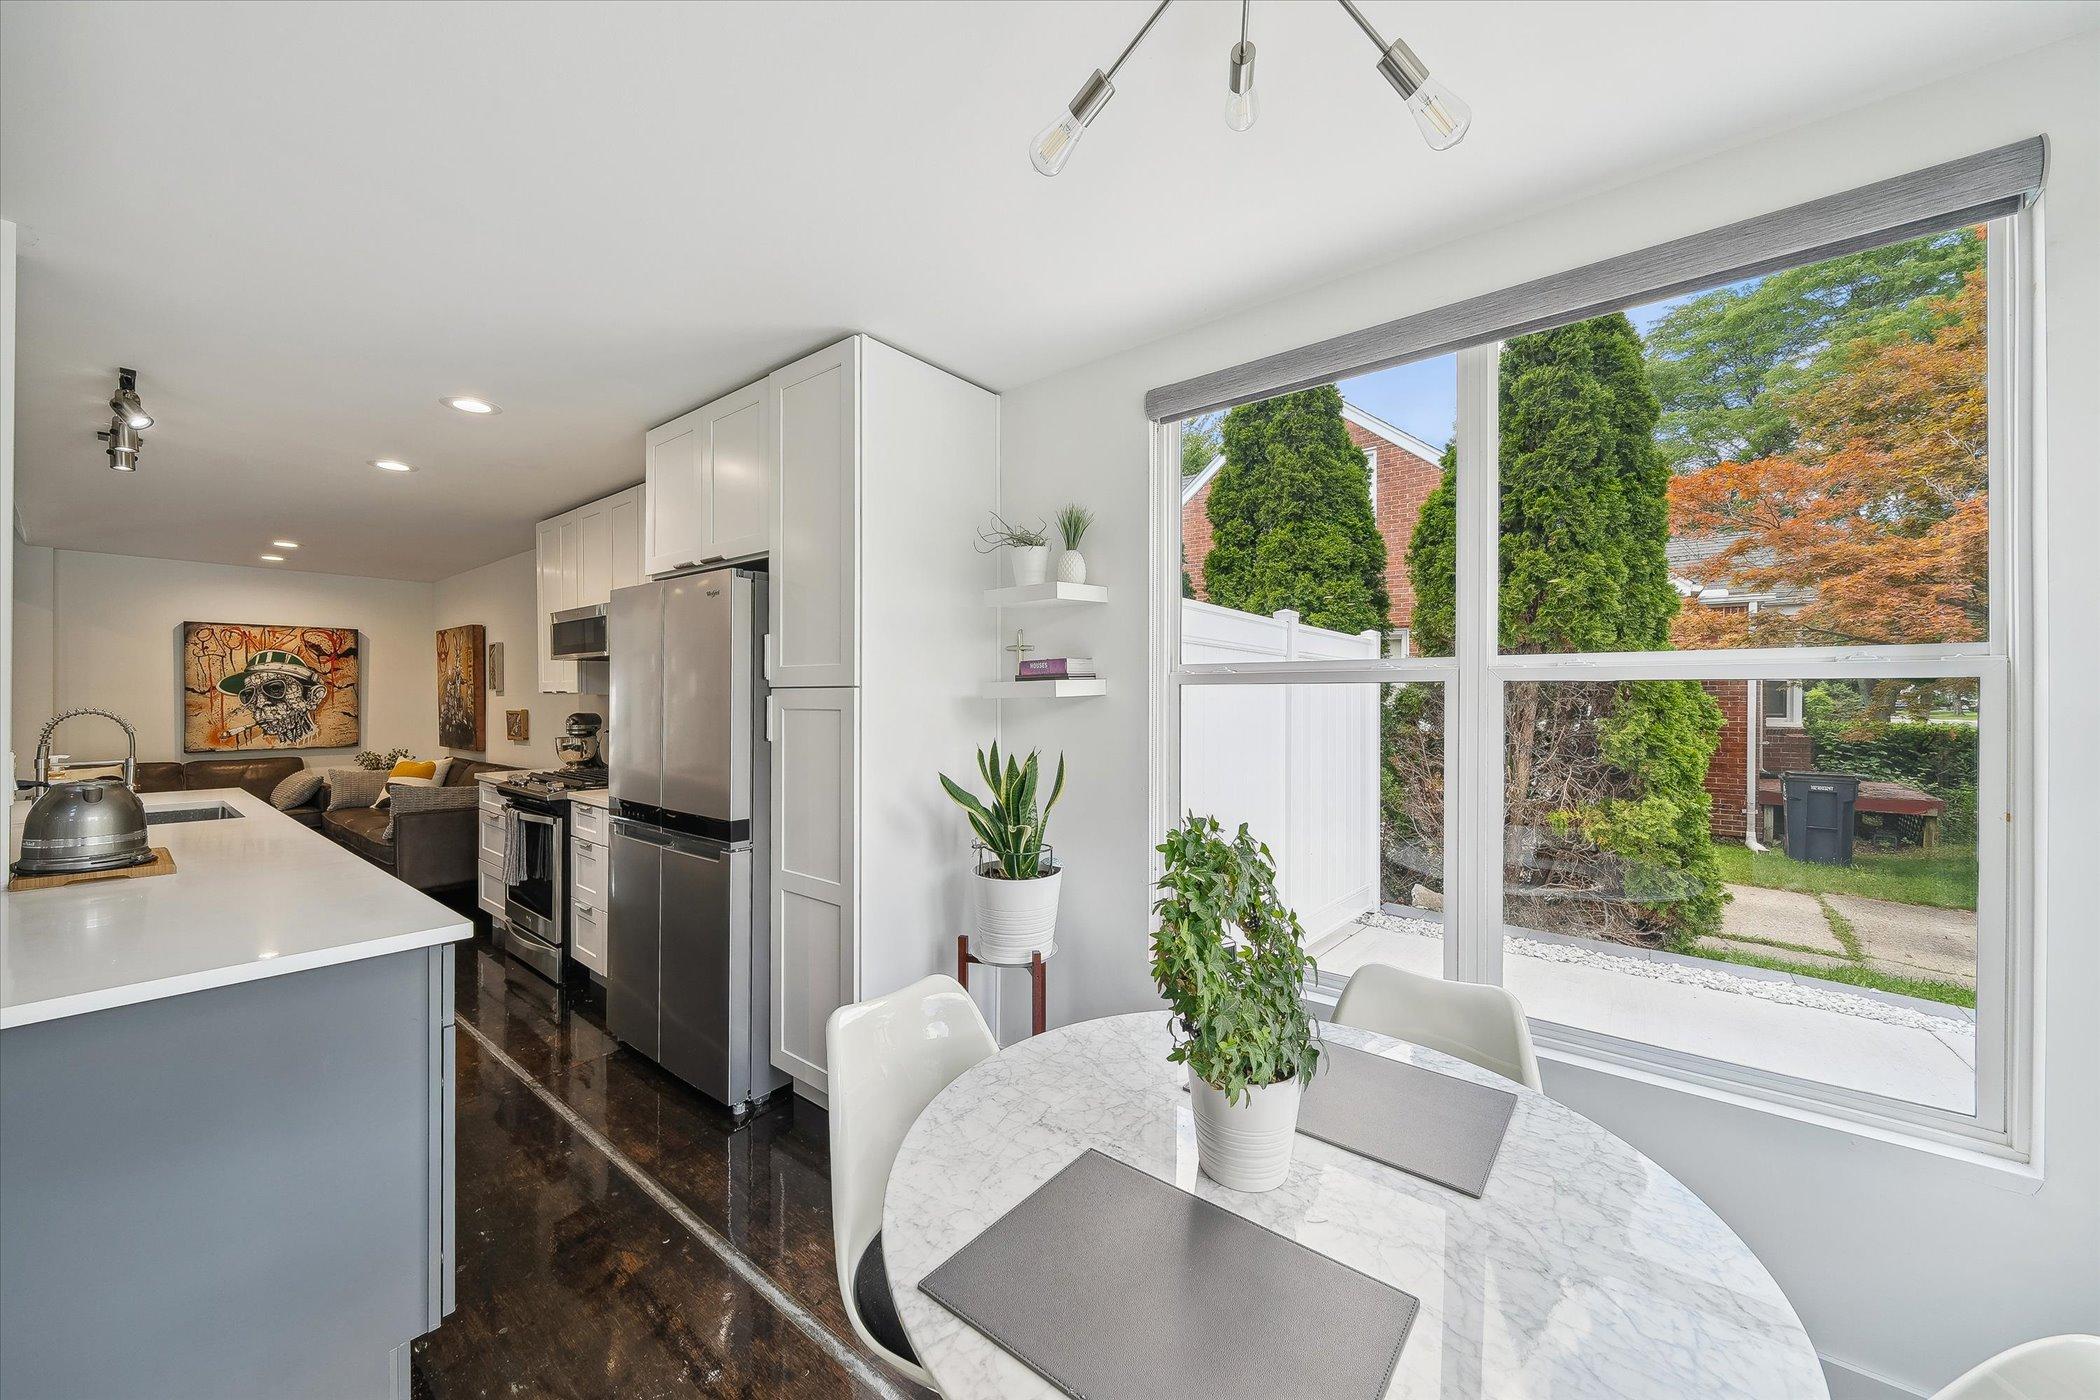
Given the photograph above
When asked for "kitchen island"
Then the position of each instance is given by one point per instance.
(225, 1118)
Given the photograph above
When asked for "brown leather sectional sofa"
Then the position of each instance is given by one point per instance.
(429, 850)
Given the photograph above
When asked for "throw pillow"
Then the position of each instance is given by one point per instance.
(409, 800)
(426, 772)
(353, 787)
(297, 789)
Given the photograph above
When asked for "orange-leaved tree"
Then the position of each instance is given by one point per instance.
(1879, 508)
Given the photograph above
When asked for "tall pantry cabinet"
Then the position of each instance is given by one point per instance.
(884, 467)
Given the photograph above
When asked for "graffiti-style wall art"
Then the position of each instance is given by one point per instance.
(462, 704)
(249, 686)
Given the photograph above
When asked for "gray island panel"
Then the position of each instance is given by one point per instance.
(236, 1192)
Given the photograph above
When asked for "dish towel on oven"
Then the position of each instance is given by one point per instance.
(514, 872)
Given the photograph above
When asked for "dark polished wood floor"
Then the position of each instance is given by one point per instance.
(573, 1279)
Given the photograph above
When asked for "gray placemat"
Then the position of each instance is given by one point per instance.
(1428, 1124)
(1114, 1285)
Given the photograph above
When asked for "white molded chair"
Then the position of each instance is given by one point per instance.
(1477, 1023)
(886, 1059)
(2054, 1368)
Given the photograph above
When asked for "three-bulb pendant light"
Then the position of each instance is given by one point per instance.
(1438, 112)
(128, 418)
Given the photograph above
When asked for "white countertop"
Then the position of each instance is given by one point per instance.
(1585, 1272)
(251, 897)
(593, 797)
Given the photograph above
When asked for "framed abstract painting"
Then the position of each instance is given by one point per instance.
(462, 700)
(249, 686)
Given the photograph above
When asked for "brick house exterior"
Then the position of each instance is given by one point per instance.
(1403, 470)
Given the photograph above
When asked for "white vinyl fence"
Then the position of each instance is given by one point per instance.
(1297, 763)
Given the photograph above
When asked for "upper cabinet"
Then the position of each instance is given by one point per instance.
(710, 483)
(815, 544)
(584, 554)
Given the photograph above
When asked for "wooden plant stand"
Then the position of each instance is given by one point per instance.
(1039, 1004)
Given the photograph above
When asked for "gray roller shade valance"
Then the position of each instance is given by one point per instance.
(1962, 191)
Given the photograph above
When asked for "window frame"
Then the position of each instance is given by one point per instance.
(1476, 676)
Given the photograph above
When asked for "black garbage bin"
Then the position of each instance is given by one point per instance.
(1819, 809)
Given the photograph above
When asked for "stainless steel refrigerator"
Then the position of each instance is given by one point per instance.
(688, 976)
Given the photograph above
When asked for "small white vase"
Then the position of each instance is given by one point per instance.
(1071, 567)
(1031, 563)
(1014, 917)
(1246, 1146)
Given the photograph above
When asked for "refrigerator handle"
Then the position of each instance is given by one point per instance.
(769, 671)
(769, 718)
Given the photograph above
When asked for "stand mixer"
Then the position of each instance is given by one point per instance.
(578, 747)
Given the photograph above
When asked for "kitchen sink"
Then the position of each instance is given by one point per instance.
(211, 812)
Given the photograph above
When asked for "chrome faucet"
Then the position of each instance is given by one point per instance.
(42, 782)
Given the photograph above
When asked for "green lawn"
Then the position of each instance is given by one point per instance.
(1944, 877)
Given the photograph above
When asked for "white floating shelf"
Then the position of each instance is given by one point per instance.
(1044, 690)
(1044, 595)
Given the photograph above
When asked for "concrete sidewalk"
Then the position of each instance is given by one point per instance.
(1819, 1031)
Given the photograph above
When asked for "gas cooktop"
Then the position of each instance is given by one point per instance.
(554, 783)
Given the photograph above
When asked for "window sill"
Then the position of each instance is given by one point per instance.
(1998, 1165)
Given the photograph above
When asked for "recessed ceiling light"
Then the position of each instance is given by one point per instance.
(284, 544)
(273, 559)
(467, 403)
(388, 464)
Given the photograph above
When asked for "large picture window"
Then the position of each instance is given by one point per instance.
(1666, 672)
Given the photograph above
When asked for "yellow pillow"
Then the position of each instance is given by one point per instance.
(414, 768)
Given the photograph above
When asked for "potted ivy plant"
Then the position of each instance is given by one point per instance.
(1030, 559)
(1231, 961)
(1014, 889)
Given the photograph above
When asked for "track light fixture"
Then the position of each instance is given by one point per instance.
(1442, 117)
(128, 419)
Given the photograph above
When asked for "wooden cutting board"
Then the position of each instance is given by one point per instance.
(161, 864)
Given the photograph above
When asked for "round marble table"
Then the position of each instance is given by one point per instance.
(1584, 1271)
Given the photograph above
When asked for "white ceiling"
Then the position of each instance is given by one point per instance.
(303, 224)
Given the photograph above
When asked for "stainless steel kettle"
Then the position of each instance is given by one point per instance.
(91, 824)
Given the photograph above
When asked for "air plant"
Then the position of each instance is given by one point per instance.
(1001, 534)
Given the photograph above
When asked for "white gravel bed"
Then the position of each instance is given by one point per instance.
(1716, 979)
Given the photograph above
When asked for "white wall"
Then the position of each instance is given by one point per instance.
(503, 598)
(1901, 1263)
(112, 628)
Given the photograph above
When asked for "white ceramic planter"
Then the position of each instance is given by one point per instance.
(1246, 1146)
(1071, 567)
(1014, 917)
(1030, 563)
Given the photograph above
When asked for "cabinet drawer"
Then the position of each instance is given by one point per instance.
(490, 889)
(492, 837)
(590, 873)
(587, 936)
(491, 800)
(588, 823)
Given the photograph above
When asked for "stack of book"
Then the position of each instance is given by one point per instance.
(1056, 668)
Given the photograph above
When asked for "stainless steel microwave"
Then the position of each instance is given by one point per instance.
(577, 634)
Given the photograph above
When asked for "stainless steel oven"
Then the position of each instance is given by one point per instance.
(536, 884)
(577, 634)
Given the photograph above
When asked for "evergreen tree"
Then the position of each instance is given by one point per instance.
(1291, 519)
(1611, 767)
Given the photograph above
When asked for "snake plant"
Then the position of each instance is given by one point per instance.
(1009, 824)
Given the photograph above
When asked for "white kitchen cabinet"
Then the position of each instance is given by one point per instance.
(709, 483)
(816, 892)
(885, 469)
(590, 874)
(489, 889)
(583, 555)
(587, 936)
(815, 547)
